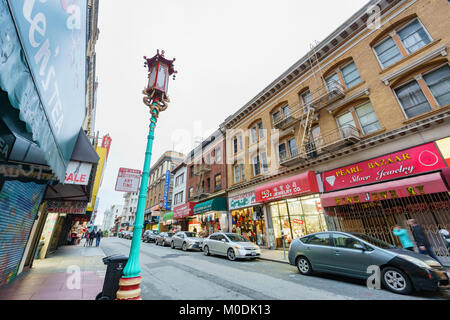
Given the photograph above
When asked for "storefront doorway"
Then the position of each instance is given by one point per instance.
(249, 222)
(296, 218)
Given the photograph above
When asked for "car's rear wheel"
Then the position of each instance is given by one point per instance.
(183, 247)
(206, 251)
(304, 266)
(172, 245)
(396, 280)
(231, 255)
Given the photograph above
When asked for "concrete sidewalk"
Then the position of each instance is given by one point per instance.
(55, 278)
(274, 255)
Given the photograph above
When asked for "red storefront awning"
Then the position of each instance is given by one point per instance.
(302, 184)
(183, 211)
(426, 184)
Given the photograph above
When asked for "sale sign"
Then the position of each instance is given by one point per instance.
(396, 165)
(78, 173)
(128, 180)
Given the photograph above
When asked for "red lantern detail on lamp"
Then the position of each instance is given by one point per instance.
(160, 69)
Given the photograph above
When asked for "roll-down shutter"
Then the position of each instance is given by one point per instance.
(19, 204)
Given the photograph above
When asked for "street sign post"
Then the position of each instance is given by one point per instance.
(128, 180)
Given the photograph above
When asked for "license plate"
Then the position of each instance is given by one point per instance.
(253, 253)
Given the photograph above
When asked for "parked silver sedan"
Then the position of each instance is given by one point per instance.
(186, 241)
(354, 255)
(164, 238)
(231, 245)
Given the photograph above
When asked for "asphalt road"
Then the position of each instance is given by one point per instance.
(170, 274)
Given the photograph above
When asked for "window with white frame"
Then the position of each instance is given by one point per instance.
(388, 52)
(264, 163)
(439, 83)
(346, 119)
(414, 36)
(368, 119)
(237, 144)
(351, 75)
(412, 99)
(256, 165)
(218, 153)
(282, 151)
(256, 131)
(292, 143)
(306, 98)
(236, 173)
(242, 172)
(410, 38)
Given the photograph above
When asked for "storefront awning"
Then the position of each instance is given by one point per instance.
(84, 153)
(183, 211)
(302, 184)
(410, 187)
(216, 204)
(50, 101)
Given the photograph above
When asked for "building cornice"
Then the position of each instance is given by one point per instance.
(440, 51)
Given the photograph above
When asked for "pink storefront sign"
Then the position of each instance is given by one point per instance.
(410, 187)
(401, 164)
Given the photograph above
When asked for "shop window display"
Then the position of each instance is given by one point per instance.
(296, 218)
(208, 223)
(250, 224)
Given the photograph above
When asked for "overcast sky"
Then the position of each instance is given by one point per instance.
(226, 52)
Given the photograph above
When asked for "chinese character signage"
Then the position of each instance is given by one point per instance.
(302, 184)
(166, 205)
(396, 165)
(128, 180)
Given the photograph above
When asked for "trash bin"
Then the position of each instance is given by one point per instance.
(116, 263)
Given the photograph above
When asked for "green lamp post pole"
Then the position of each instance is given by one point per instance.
(156, 99)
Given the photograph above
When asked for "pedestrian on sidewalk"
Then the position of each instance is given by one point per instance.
(421, 240)
(403, 235)
(98, 237)
(86, 236)
(91, 238)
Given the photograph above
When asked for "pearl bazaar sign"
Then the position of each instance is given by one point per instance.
(392, 166)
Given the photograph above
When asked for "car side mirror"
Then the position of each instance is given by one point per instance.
(223, 240)
(359, 246)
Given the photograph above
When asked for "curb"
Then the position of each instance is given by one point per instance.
(273, 260)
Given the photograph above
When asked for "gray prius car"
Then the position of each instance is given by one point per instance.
(231, 245)
(351, 254)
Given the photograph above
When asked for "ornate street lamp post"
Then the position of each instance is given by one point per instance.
(160, 69)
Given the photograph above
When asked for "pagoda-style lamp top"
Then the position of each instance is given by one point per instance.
(160, 69)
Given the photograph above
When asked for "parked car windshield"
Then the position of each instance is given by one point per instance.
(236, 238)
(374, 241)
(190, 234)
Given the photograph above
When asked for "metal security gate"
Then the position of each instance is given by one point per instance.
(19, 204)
(377, 219)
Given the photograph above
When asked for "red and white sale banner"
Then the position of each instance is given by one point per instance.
(78, 173)
(128, 180)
